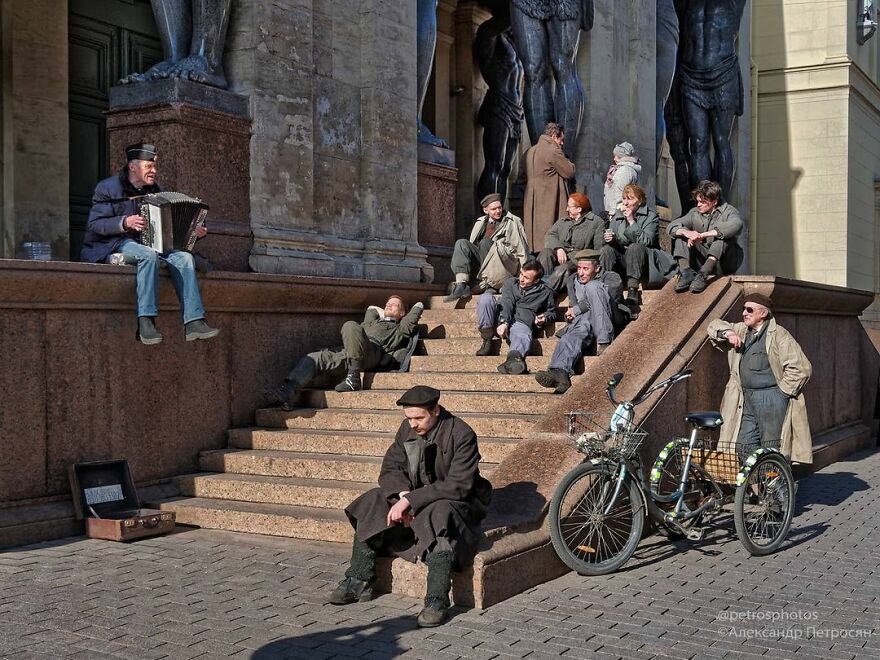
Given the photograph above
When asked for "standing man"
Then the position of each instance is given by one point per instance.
(526, 304)
(494, 252)
(624, 171)
(547, 172)
(428, 506)
(704, 239)
(382, 339)
(113, 227)
(579, 229)
(763, 401)
(589, 318)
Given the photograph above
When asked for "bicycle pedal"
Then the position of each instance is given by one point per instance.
(696, 533)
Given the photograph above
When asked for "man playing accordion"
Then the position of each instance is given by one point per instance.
(113, 229)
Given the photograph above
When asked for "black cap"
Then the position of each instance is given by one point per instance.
(140, 151)
(420, 396)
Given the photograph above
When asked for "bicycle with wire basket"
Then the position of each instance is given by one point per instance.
(598, 511)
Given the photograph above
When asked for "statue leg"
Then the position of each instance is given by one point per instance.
(204, 64)
(721, 122)
(677, 137)
(667, 48)
(530, 40)
(494, 143)
(174, 23)
(569, 102)
(426, 36)
(696, 121)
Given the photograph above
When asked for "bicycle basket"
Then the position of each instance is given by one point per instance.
(593, 439)
(722, 462)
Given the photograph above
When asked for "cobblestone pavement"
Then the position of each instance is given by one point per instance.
(203, 594)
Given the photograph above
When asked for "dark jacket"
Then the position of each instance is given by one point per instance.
(585, 233)
(645, 231)
(524, 305)
(111, 203)
(451, 467)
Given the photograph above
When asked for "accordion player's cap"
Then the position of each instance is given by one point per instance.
(140, 151)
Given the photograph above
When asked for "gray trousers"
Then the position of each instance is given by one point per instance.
(467, 257)
(631, 261)
(728, 254)
(554, 273)
(519, 334)
(570, 348)
(762, 418)
(334, 361)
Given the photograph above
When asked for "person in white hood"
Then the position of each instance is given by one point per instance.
(624, 170)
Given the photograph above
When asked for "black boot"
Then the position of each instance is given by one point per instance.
(488, 335)
(198, 329)
(684, 280)
(558, 379)
(357, 586)
(285, 395)
(352, 382)
(460, 290)
(634, 296)
(514, 364)
(439, 582)
(146, 332)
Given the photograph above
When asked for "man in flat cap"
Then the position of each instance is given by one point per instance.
(428, 506)
(385, 339)
(578, 230)
(526, 304)
(590, 318)
(496, 249)
(113, 231)
(763, 402)
(704, 239)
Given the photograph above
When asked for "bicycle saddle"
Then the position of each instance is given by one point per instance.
(704, 419)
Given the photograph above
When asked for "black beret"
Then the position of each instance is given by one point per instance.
(488, 199)
(140, 151)
(420, 396)
(758, 298)
(587, 255)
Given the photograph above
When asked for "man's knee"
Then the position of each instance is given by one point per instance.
(636, 250)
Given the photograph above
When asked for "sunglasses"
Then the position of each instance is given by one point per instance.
(750, 310)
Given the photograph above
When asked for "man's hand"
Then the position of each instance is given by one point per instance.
(732, 338)
(609, 236)
(540, 319)
(502, 330)
(561, 256)
(569, 314)
(201, 231)
(399, 513)
(134, 222)
(693, 237)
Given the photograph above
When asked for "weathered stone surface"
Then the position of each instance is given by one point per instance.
(178, 90)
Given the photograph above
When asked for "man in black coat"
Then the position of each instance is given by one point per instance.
(428, 506)
(112, 234)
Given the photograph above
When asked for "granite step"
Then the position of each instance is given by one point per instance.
(320, 493)
(292, 464)
(542, 346)
(500, 426)
(443, 380)
(460, 402)
(456, 330)
(493, 450)
(301, 522)
(471, 363)
(465, 315)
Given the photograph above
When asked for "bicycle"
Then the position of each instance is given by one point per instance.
(597, 513)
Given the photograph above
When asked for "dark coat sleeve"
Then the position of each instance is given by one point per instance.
(394, 475)
(461, 475)
(550, 307)
(410, 323)
(104, 218)
(551, 238)
(580, 306)
(507, 303)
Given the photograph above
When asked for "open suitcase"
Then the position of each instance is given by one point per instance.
(105, 496)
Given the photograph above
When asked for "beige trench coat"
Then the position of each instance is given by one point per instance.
(792, 370)
(547, 172)
(508, 252)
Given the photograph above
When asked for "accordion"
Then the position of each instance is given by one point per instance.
(172, 219)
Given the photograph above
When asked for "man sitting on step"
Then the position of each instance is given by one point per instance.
(526, 304)
(383, 339)
(494, 252)
(428, 506)
(589, 318)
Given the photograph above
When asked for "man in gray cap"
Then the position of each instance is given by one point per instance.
(428, 506)
(589, 318)
(114, 228)
(763, 402)
(496, 249)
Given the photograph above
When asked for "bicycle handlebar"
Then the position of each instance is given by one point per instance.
(616, 378)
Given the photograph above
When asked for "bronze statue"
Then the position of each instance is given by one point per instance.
(193, 33)
(501, 113)
(667, 49)
(546, 34)
(708, 89)
(426, 35)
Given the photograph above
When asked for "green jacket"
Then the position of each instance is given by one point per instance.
(587, 232)
(391, 335)
(643, 230)
(724, 219)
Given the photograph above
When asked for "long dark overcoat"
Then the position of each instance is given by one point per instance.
(452, 502)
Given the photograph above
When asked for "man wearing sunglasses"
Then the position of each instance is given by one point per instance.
(763, 401)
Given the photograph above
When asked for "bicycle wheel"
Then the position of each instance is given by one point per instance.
(666, 479)
(764, 505)
(588, 540)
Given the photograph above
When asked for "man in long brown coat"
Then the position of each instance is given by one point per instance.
(547, 173)
(428, 505)
(763, 402)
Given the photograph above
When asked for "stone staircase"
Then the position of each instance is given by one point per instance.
(295, 471)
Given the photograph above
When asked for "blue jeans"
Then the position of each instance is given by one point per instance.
(183, 276)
